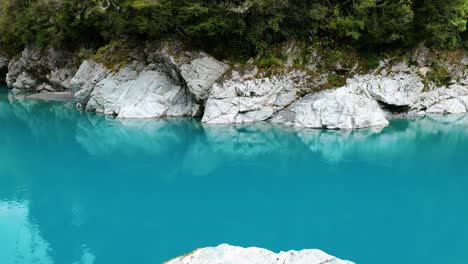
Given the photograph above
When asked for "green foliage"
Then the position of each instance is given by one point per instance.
(234, 27)
(439, 74)
(335, 80)
(113, 55)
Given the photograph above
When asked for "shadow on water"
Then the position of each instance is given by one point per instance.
(78, 188)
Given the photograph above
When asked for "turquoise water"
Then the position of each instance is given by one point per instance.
(82, 189)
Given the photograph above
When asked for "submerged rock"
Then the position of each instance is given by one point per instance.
(348, 107)
(226, 254)
(37, 69)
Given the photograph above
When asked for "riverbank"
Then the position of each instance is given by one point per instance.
(305, 89)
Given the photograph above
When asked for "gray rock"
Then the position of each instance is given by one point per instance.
(451, 100)
(253, 100)
(163, 80)
(398, 89)
(148, 93)
(85, 79)
(348, 107)
(35, 67)
(195, 69)
(200, 75)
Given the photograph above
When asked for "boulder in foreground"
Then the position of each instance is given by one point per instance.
(226, 254)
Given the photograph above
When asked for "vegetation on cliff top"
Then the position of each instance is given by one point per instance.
(234, 27)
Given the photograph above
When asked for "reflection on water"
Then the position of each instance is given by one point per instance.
(21, 241)
(78, 188)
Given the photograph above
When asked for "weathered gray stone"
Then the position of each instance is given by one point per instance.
(195, 69)
(451, 100)
(347, 107)
(35, 67)
(397, 90)
(149, 93)
(85, 79)
(200, 75)
(240, 100)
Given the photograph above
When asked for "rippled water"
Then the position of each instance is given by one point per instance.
(82, 189)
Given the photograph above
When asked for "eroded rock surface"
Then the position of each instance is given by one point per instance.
(141, 92)
(397, 89)
(244, 100)
(226, 254)
(40, 71)
(348, 107)
(162, 81)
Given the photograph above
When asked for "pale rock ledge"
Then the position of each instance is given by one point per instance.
(226, 254)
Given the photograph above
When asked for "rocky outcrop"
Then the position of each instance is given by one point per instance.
(401, 89)
(225, 254)
(348, 107)
(162, 81)
(242, 99)
(137, 91)
(166, 79)
(197, 70)
(86, 78)
(450, 100)
(200, 75)
(40, 71)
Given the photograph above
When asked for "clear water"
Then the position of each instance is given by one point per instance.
(82, 189)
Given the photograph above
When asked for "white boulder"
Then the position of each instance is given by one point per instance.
(38, 67)
(86, 78)
(397, 90)
(249, 100)
(226, 254)
(348, 107)
(146, 93)
(200, 75)
(451, 100)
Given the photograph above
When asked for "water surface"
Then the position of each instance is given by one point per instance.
(83, 189)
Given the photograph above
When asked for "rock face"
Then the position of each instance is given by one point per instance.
(200, 75)
(145, 93)
(196, 69)
(40, 71)
(398, 90)
(162, 81)
(88, 75)
(348, 107)
(226, 254)
(450, 100)
(244, 100)
(166, 79)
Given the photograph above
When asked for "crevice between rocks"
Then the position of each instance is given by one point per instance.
(3, 74)
(394, 109)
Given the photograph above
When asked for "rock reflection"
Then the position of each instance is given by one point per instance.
(403, 139)
(86, 186)
(21, 239)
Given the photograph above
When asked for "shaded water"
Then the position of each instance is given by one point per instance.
(77, 188)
